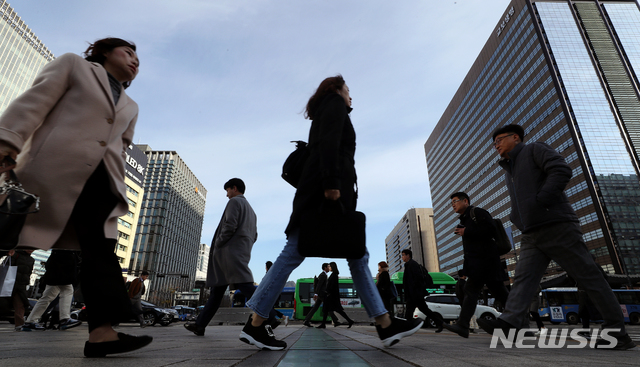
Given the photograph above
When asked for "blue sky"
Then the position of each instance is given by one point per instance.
(224, 83)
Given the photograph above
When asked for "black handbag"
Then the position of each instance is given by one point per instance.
(15, 205)
(332, 232)
(294, 164)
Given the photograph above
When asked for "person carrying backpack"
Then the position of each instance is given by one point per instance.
(415, 289)
(481, 259)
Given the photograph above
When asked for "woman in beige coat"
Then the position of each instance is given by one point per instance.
(68, 134)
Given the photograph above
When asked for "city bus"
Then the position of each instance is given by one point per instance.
(442, 283)
(284, 304)
(561, 305)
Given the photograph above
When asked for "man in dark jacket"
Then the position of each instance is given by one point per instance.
(320, 292)
(536, 176)
(481, 259)
(230, 254)
(415, 290)
(59, 278)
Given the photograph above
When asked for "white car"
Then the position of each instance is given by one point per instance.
(447, 306)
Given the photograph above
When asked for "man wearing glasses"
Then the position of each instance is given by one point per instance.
(536, 176)
(481, 259)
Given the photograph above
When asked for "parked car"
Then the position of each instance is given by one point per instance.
(185, 313)
(152, 315)
(447, 306)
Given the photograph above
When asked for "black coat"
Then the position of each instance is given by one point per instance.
(481, 258)
(320, 286)
(332, 147)
(384, 285)
(414, 287)
(62, 268)
(25, 262)
(332, 302)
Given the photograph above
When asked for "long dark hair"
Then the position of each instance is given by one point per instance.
(334, 268)
(330, 85)
(96, 51)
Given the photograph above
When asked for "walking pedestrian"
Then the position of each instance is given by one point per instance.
(415, 289)
(383, 283)
(23, 260)
(136, 291)
(59, 279)
(69, 132)
(320, 289)
(462, 281)
(230, 254)
(275, 313)
(535, 315)
(481, 259)
(536, 176)
(329, 174)
(333, 303)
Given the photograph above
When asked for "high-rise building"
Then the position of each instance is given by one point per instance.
(203, 262)
(567, 72)
(414, 232)
(22, 55)
(135, 168)
(167, 240)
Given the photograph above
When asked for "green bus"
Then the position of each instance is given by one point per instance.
(303, 296)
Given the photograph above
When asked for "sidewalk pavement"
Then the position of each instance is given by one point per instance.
(335, 346)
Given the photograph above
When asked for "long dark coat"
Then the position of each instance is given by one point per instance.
(332, 302)
(332, 146)
(384, 285)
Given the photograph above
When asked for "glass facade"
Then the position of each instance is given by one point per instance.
(537, 71)
(22, 55)
(167, 239)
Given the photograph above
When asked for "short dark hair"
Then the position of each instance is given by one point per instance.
(238, 183)
(269, 265)
(324, 266)
(513, 128)
(144, 272)
(96, 51)
(408, 252)
(460, 195)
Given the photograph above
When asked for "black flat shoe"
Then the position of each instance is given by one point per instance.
(125, 343)
(321, 326)
(351, 324)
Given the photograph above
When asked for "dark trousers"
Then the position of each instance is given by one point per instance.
(326, 313)
(315, 308)
(472, 289)
(213, 303)
(421, 304)
(536, 317)
(388, 304)
(101, 279)
(20, 303)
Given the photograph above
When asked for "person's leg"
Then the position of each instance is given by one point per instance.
(472, 288)
(271, 285)
(50, 293)
(367, 291)
(530, 267)
(346, 317)
(313, 310)
(409, 310)
(211, 307)
(536, 317)
(278, 313)
(499, 291)
(564, 244)
(422, 306)
(66, 296)
(20, 304)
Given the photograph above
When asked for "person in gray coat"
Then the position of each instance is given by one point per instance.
(536, 177)
(230, 254)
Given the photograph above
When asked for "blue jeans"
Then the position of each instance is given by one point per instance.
(269, 289)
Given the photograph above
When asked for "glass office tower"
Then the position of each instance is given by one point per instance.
(567, 72)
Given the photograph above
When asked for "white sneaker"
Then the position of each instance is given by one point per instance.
(286, 321)
(540, 332)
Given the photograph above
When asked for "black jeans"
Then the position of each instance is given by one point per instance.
(472, 289)
(213, 303)
(421, 304)
(101, 279)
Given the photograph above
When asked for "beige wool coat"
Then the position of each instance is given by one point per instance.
(62, 128)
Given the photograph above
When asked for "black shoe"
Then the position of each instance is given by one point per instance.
(337, 323)
(33, 326)
(307, 324)
(398, 329)
(199, 331)
(439, 329)
(69, 323)
(261, 336)
(275, 324)
(351, 322)
(529, 333)
(624, 343)
(321, 326)
(460, 330)
(490, 325)
(125, 343)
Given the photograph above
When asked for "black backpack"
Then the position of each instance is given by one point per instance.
(426, 277)
(294, 164)
(501, 238)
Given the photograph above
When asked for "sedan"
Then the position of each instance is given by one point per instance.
(447, 306)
